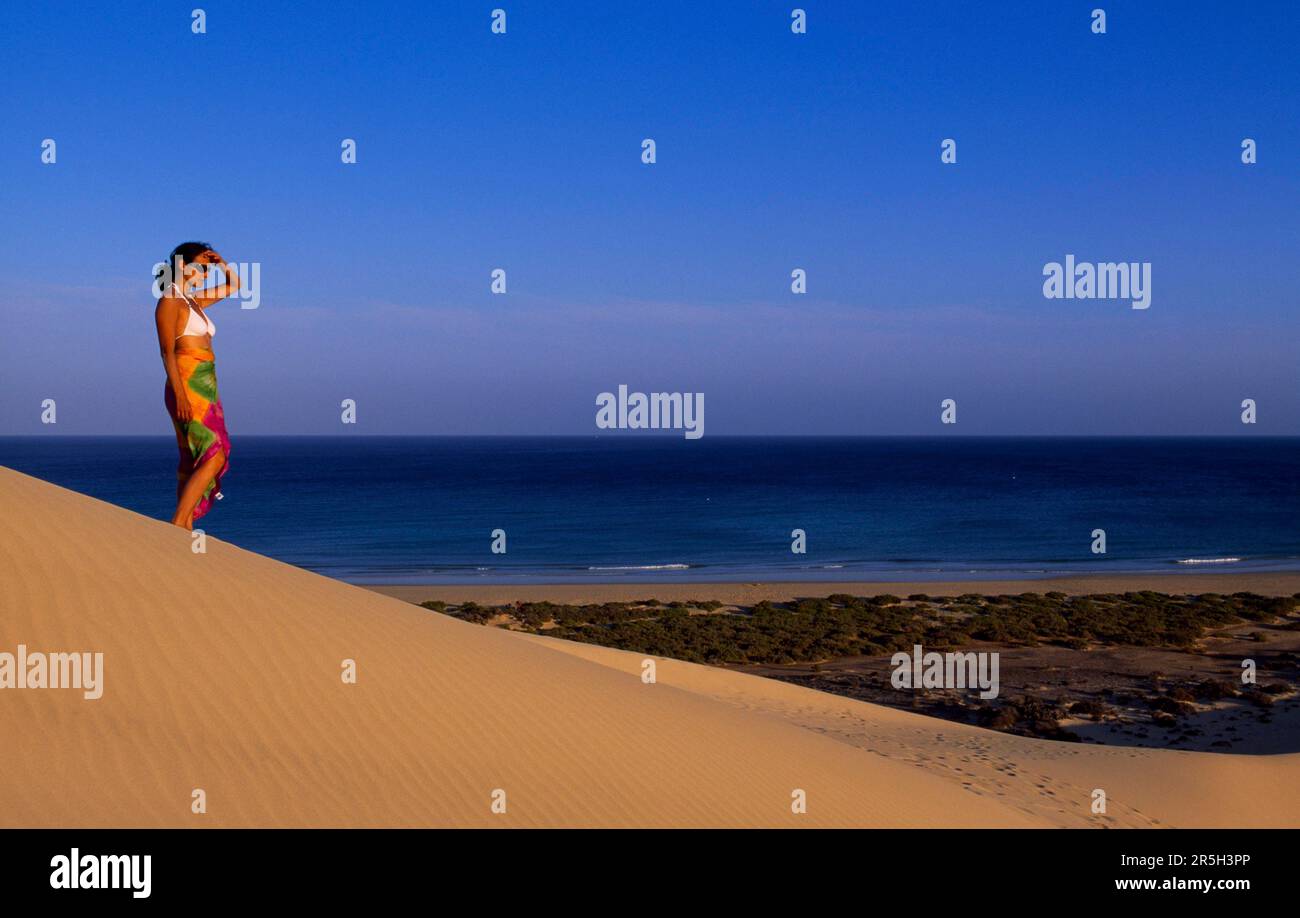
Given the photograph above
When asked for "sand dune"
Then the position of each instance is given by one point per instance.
(222, 673)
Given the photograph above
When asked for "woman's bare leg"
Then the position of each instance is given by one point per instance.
(185, 467)
(193, 488)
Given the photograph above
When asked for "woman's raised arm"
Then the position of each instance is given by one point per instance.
(206, 297)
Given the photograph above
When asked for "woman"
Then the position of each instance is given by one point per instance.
(185, 337)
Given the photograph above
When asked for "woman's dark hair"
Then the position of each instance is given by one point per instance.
(186, 252)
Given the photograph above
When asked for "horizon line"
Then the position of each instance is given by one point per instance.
(675, 435)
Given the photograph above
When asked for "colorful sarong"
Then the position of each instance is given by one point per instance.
(205, 434)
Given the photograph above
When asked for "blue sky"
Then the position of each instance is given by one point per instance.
(775, 151)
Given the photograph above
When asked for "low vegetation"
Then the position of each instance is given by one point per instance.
(812, 630)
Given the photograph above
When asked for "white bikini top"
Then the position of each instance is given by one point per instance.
(197, 323)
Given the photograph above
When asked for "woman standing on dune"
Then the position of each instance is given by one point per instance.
(185, 339)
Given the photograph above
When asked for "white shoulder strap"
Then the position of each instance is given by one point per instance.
(189, 301)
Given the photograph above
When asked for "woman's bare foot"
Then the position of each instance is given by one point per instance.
(193, 490)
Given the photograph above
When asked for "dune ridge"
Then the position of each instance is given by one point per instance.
(222, 673)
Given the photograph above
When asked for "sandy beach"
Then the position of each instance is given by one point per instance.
(746, 594)
(222, 674)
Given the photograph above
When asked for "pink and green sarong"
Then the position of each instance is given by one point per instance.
(205, 435)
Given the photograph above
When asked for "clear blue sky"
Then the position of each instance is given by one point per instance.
(775, 151)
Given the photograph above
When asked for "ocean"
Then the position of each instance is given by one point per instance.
(627, 508)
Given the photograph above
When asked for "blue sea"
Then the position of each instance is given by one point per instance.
(625, 508)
